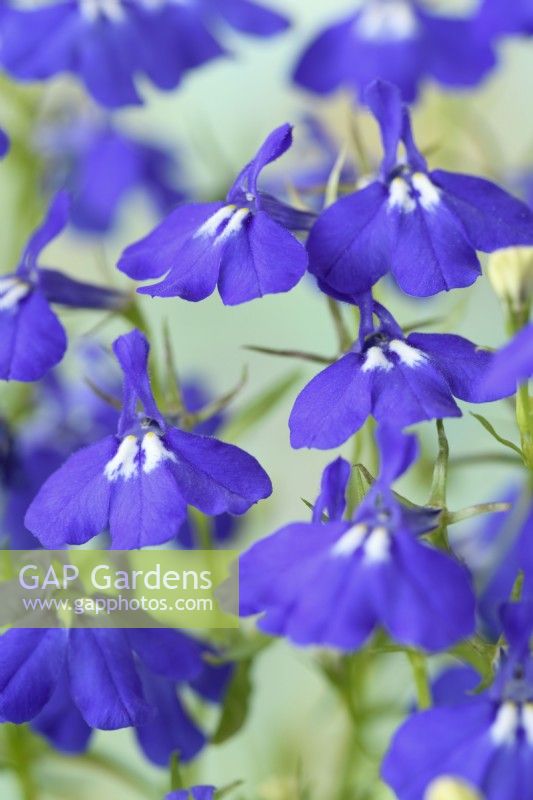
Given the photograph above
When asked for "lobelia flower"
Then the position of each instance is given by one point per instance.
(332, 581)
(101, 167)
(513, 364)
(137, 484)
(497, 551)
(396, 40)
(423, 226)
(241, 244)
(194, 793)
(107, 44)
(486, 741)
(69, 682)
(495, 20)
(395, 378)
(32, 340)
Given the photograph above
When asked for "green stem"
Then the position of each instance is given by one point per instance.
(21, 759)
(418, 663)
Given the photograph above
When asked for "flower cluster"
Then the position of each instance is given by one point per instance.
(135, 457)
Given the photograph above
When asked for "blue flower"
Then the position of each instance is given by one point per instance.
(194, 793)
(399, 41)
(333, 581)
(66, 683)
(485, 740)
(32, 340)
(425, 227)
(513, 364)
(137, 484)
(4, 143)
(107, 44)
(101, 166)
(242, 244)
(395, 378)
(494, 19)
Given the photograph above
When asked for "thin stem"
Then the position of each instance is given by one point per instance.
(418, 663)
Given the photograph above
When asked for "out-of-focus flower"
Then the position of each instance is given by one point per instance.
(513, 364)
(332, 581)
(423, 226)
(101, 167)
(193, 793)
(396, 40)
(495, 18)
(108, 44)
(32, 340)
(398, 379)
(510, 272)
(137, 484)
(485, 742)
(242, 244)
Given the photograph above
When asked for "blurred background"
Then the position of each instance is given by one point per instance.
(296, 734)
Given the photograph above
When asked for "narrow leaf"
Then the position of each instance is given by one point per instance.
(490, 428)
(236, 703)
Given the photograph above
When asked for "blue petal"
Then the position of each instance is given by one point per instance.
(132, 350)
(332, 406)
(432, 253)
(104, 683)
(350, 244)
(464, 365)
(168, 653)
(263, 258)
(491, 217)
(32, 340)
(73, 505)
(457, 55)
(397, 452)
(146, 509)
(275, 145)
(385, 102)
(512, 365)
(251, 17)
(325, 63)
(332, 497)
(30, 665)
(214, 476)
(52, 225)
(195, 792)
(61, 722)
(170, 728)
(161, 251)
(59, 288)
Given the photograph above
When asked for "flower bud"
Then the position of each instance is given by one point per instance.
(510, 272)
(451, 789)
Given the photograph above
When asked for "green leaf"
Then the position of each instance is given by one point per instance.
(236, 703)
(258, 408)
(480, 655)
(452, 517)
(332, 186)
(437, 497)
(224, 791)
(490, 428)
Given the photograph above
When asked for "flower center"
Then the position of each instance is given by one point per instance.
(375, 543)
(407, 191)
(93, 10)
(225, 222)
(378, 356)
(511, 720)
(134, 455)
(12, 291)
(387, 21)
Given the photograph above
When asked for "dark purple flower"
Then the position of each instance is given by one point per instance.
(485, 740)
(137, 484)
(242, 244)
(66, 683)
(194, 793)
(4, 143)
(108, 44)
(32, 340)
(398, 41)
(332, 581)
(101, 167)
(423, 226)
(513, 364)
(395, 378)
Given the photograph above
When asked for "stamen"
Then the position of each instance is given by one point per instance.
(124, 464)
(408, 355)
(376, 359)
(210, 226)
(154, 452)
(349, 541)
(377, 546)
(504, 728)
(400, 196)
(12, 291)
(393, 20)
(429, 195)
